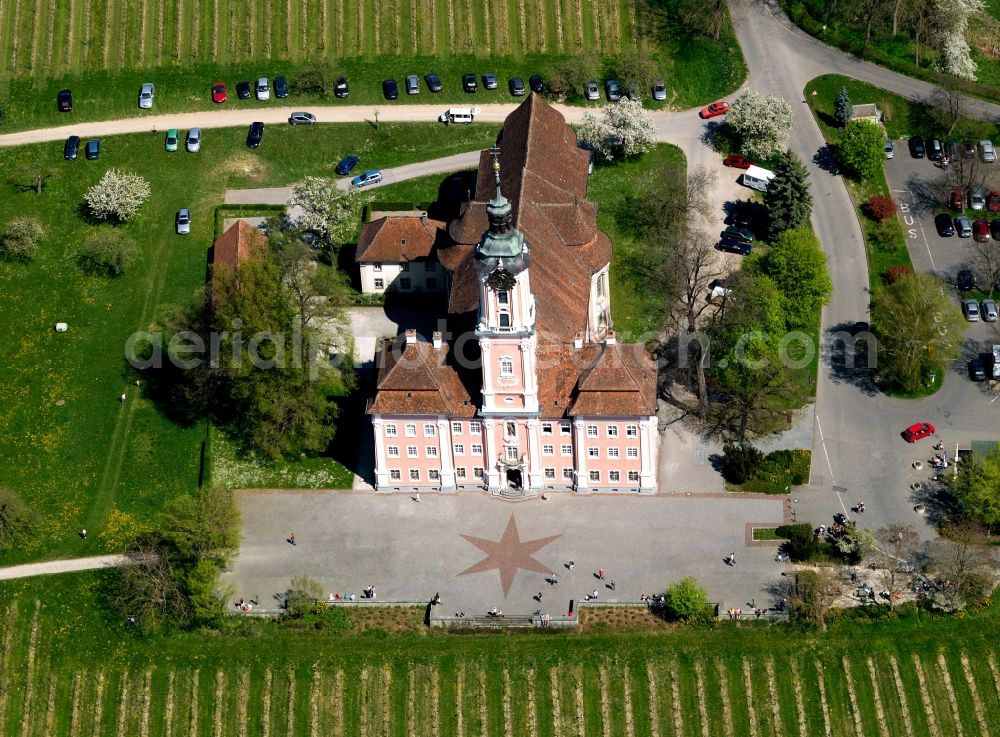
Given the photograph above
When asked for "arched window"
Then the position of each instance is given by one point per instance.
(506, 366)
(504, 320)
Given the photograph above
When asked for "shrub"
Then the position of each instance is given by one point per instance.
(20, 242)
(894, 273)
(118, 196)
(739, 461)
(886, 236)
(107, 253)
(303, 596)
(685, 599)
(879, 207)
(16, 519)
(802, 544)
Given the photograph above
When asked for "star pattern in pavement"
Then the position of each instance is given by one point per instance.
(508, 555)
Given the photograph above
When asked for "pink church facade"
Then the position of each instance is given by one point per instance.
(530, 390)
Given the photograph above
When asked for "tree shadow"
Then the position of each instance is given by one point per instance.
(939, 504)
(850, 358)
(928, 193)
(826, 160)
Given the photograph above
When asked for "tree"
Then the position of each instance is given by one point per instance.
(812, 593)
(204, 526)
(879, 207)
(762, 122)
(947, 106)
(985, 260)
(326, 210)
(918, 327)
(118, 196)
(34, 174)
(107, 252)
(636, 68)
(788, 199)
(685, 599)
(952, 20)
(797, 266)
(962, 567)
(302, 596)
(855, 542)
(739, 461)
(703, 17)
(318, 78)
(624, 130)
(17, 520)
(20, 242)
(149, 587)
(893, 554)
(568, 76)
(861, 149)
(977, 486)
(842, 108)
(207, 603)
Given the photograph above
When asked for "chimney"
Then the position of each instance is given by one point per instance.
(436, 339)
(578, 342)
(411, 335)
(609, 338)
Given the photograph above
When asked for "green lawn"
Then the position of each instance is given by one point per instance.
(66, 669)
(78, 456)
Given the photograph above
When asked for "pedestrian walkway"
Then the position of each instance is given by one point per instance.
(70, 565)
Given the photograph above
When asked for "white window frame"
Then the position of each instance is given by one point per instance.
(477, 473)
(512, 452)
(392, 451)
(568, 473)
(595, 476)
(631, 431)
(434, 475)
(460, 472)
(377, 266)
(475, 427)
(459, 449)
(414, 474)
(395, 474)
(593, 452)
(379, 283)
(412, 451)
(592, 431)
(614, 476)
(566, 449)
(390, 431)
(431, 451)
(506, 366)
(430, 430)
(612, 431)
(411, 429)
(546, 428)
(550, 474)
(565, 428)
(548, 450)
(456, 428)
(477, 449)
(632, 453)
(613, 453)
(633, 477)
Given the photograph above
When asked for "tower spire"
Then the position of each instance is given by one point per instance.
(502, 246)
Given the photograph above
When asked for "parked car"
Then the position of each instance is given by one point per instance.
(263, 88)
(957, 200)
(968, 150)
(536, 83)
(193, 141)
(93, 150)
(613, 90)
(390, 90)
(995, 229)
(970, 308)
(591, 91)
(372, 176)
(738, 161)
(146, 95)
(889, 151)
(963, 227)
(280, 87)
(993, 202)
(469, 82)
(490, 81)
(951, 150)
(183, 221)
(943, 224)
(516, 86)
(219, 92)
(65, 100)
(255, 134)
(715, 109)
(659, 91)
(301, 118)
(988, 153)
(170, 142)
(977, 198)
(918, 431)
(340, 89)
(632, 93)
(412, 83)
(433, 82)
(977, 370)
(734, 245)
(981, 231)
(935, 151)
(988, 309)
(243, 91)
(917, 149)
(965, 281)
(738, 233)
(72, 147)
(346, 165)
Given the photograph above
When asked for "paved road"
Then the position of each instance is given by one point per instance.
(61, 566)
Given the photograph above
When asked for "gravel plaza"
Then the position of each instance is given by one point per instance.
(468, 547)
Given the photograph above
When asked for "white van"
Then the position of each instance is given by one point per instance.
(757, 178)
(458, 115)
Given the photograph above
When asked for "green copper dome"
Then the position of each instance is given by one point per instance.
(502, 245)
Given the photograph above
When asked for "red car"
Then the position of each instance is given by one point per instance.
(715, 109)
(957, 200)
(993, 202)
(981, 231)
(738, 162)
(219, 92)
(918, 431)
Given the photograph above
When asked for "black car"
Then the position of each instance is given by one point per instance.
(935, 151)
(536, 83)
(341, 89)
(995, 229)
(732, 245)
(965, 281)
(433, 82)
(254, 135)
(917, 149)
(490, 81)
(469, 83)
(93, 150)
(65, 100)
(280, 87)
(944, 226)
(977, 370)
(516, 86)
(390, 90)
(72, 148)
(346, 166)
(968, 150)
(613, 90)
(243, 90)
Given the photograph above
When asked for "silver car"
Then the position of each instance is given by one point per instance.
(591, 91)
(412, 84)
(970, 308)
(989, 310)
(193, 141)
(263, 89)
(660, 90)
(301, 118)
(183, 221)
(977, 198)
(987, 152)
(146, 93)
(889, 152)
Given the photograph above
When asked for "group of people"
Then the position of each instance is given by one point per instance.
(737, 614)
(246, 605)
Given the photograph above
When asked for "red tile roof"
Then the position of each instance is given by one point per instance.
(417, 379)
(402, 238)
(236, 244)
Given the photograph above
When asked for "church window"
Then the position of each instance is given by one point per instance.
(506, 366)
(504, 320)
(503, 298)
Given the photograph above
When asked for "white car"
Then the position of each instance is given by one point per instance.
(146, 93)
(988, 153)
(889, 152)
(183, 221)
(988, 309)
(193, 141)
(263, 89)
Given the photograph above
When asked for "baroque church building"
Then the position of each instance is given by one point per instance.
(529, 389)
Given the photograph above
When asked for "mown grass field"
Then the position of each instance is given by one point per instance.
(66, 671)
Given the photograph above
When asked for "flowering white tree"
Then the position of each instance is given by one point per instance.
(326, 210)
(952, 20)
(623, 130)
(118, 196)
(763, 123)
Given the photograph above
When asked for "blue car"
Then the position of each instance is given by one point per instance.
(347, 165)
(372, 176)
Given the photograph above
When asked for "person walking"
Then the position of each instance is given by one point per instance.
(600, 573)
(612, 585)
(291, 538)
(571, 564)
(416, 497)
(732, 559)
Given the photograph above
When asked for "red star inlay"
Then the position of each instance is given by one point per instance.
(508, 554)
